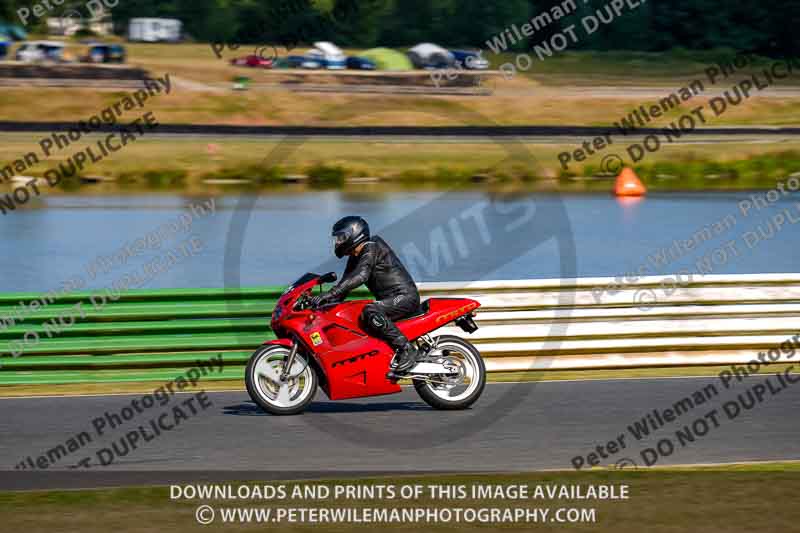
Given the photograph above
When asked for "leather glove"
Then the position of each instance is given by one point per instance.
(321, 299)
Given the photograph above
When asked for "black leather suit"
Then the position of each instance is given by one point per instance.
(395, 292)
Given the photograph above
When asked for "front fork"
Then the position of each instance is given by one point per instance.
(289, 362)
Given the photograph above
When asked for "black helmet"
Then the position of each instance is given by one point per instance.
(348, 233)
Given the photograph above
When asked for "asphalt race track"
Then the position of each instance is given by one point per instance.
(513, 427)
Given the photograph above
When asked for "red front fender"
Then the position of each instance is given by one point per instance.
(280, 342)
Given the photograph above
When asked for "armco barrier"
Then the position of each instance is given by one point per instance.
(524, 324)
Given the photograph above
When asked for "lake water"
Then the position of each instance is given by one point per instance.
(272, 239)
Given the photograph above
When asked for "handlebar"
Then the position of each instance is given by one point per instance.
(328, 278)
(303, 301)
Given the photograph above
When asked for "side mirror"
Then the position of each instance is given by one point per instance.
(327, 278)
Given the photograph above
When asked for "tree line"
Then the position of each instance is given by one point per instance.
(764, 27)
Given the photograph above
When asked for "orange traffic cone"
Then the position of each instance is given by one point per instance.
(629, 184)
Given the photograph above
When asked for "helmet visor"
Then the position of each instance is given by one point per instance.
(338, 239)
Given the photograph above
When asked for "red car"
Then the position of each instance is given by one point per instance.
(327, 347)
(253, 61)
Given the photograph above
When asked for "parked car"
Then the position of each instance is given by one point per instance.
(104, 53)
(253, 61)
(470, 60)
(430, 56)
(39, 51)
(4, 45)
(293, 62)
(314, 59)
(325, 55)
(360, 63)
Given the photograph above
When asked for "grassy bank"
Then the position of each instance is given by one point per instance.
(198, 61)
(522, 104)
(730, 499)
(623, 67)
(561, 90)
(187, 164)
(586, 68)
(520, 101)
(579, 88)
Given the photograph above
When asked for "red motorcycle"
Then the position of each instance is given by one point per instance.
(327, 347)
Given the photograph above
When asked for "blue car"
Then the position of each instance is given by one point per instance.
(295, 61)
(470, 60)
(360, 63)
(104, 53)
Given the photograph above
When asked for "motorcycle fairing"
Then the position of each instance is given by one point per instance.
(354, 362)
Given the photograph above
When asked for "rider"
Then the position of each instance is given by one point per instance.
(373, 263)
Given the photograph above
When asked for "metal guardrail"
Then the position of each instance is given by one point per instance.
(591, 323)
(524, 325)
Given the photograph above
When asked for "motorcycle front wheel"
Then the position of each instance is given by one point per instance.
(265, 387)
(458, 390)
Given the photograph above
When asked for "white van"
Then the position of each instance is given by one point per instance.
(153, 30)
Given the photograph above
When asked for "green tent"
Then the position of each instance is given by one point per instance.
(388, 59)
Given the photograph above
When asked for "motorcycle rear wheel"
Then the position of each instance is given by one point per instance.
(274, 396)
(455, 392)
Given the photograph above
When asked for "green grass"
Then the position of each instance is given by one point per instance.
(644, 68)
(689, 171)
(326, 175)
(753, 497)
(182, 164)
(557, 91)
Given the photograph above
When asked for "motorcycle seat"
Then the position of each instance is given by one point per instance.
(423, 308)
